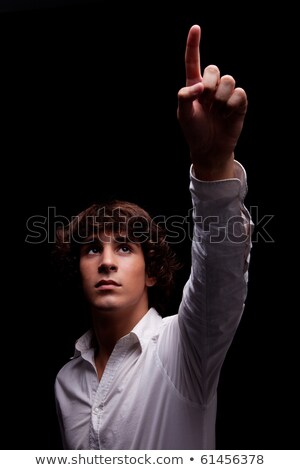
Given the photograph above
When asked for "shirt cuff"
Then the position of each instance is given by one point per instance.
(219, 189)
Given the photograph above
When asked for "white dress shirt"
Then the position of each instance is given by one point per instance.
(159, 387)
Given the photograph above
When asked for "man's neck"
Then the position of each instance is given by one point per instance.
(108, 329)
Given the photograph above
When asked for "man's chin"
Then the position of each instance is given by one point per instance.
(105, 308)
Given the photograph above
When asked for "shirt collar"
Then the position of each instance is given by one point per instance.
(144, 330)
(147, 327)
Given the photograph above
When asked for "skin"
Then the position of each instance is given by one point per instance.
(211, 112)
(115, 284)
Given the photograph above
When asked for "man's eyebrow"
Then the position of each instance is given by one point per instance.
(126, 239)
(97, 239)
(122, 239)
(91, 239)
(117, 239)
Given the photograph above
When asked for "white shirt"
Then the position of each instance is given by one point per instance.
(159, 387)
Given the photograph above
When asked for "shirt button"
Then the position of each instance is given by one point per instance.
(96, 409)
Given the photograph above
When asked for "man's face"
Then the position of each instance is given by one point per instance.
(113, 275)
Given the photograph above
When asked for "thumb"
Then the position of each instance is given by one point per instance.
(186, 97)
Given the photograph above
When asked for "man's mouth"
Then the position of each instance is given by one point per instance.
(106, 283)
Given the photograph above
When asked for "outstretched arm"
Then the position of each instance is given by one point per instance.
(211, 112)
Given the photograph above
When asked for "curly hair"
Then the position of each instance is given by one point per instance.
(129, 219)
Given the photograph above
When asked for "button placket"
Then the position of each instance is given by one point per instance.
(111, 368)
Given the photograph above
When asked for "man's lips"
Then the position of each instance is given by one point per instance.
(106, 283)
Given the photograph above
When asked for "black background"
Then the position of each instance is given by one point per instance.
(89, 97)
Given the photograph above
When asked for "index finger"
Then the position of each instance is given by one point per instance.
(192, 56)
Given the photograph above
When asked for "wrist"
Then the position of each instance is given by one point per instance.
(217, 171)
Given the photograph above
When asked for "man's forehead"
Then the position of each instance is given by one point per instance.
(110, 236)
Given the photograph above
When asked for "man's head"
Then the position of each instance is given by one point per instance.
(117, 242)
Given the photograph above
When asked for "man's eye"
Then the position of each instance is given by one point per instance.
(125, 249)
(94, 250)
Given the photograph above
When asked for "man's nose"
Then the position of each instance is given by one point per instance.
(107, 262)
(106, 268)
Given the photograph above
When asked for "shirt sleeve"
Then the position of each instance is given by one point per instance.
(214, 296)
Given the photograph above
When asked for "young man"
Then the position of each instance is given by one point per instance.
(137, 380)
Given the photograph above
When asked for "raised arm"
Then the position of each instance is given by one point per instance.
(211, 113)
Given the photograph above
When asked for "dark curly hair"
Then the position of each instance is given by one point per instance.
(119, 217)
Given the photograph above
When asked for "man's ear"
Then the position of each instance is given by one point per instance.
(150, 281)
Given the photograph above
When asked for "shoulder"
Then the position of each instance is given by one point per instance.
(171, 319)
(69, 369)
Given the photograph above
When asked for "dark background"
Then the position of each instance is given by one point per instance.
(89, 97)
